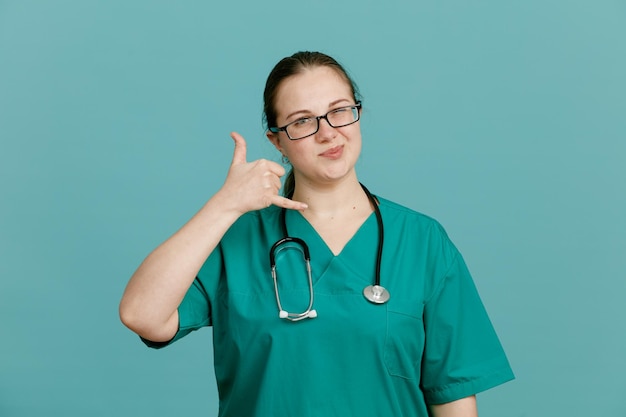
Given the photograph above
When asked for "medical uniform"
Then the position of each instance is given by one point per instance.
(431, 343)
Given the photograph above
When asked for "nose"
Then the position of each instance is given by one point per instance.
(325, 130)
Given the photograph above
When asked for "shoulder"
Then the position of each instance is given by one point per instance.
(395, 213)
(415, 229)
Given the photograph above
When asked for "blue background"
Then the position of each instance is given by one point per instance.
(503, 120)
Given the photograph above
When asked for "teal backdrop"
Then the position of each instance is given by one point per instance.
(503, 120)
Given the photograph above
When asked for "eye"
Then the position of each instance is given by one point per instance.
(341, 110)
(302, 122)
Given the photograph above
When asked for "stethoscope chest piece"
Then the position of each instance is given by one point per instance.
(376, 294)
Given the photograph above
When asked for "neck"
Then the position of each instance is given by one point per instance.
(331, 200)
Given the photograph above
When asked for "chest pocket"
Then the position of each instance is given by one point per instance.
(404, 342)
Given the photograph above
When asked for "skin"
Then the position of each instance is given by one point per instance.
(149, 306)
(311, 93)
(323, 164)
(465, 407)
(327, 193)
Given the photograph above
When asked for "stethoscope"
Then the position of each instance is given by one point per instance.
(376, 293)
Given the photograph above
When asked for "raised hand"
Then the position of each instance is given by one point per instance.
(254, 185)
(150, 303)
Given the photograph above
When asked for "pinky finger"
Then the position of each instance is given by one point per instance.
(288, 204)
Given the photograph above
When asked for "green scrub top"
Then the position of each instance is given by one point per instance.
(431, 343)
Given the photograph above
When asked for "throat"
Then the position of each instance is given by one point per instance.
(336, 214)
(336, 230)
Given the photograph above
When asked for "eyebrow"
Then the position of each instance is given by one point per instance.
(334, 103)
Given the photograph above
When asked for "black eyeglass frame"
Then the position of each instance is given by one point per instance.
(356, 106)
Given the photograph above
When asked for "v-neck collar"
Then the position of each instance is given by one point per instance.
(359, 252)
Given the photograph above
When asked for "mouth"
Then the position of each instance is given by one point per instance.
(333, 153)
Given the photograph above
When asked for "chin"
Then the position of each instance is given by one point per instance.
(338, 175)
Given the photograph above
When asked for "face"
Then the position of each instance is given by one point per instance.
(331, 153)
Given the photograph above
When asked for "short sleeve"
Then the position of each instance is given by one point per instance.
(462, 353)
(194, 312)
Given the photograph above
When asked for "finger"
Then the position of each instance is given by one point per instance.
(271, 182)
(287, 203)
(276, 182)
(269, 178)
(239, 156)
(270, 168)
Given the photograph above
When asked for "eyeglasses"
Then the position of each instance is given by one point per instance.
(308, 126)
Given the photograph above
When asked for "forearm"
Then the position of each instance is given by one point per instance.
(150, 302)
(465, 407)
(154, 292)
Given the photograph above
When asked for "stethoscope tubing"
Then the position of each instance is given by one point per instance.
(277, 247)
(374, 293)
(381, 234)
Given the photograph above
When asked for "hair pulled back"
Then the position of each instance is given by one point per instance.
(288, 67)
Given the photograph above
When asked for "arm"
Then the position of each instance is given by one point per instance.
(150, 302)
(465, 407)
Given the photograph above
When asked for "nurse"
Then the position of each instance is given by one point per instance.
(427, 351)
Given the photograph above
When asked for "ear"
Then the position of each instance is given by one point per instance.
(273, 137)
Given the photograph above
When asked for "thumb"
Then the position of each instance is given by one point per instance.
(239, 156)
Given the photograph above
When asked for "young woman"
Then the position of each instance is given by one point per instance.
(387, 320)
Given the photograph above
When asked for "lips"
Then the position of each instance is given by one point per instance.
(333, 153)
